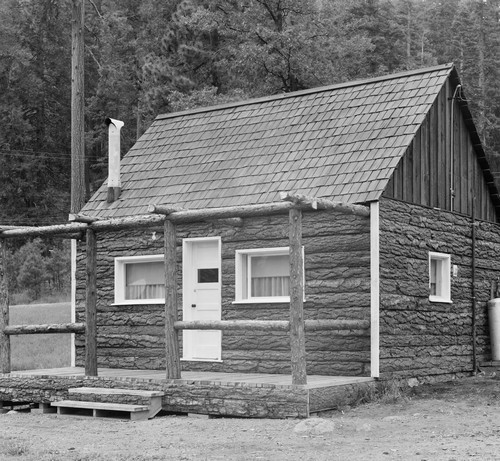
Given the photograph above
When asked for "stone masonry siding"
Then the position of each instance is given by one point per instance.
(424, 339)
(337, 273)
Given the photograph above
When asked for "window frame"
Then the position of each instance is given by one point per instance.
(243, 280)
(120, 278)
(445, 272)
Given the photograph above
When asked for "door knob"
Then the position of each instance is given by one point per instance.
(193, 305)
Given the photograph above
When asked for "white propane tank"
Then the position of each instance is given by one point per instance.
(494, 319)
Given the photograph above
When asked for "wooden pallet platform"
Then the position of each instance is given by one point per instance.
(102, 409)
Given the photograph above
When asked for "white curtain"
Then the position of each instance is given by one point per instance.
(145, 280)
(270, 286)
(270, 276)
(144, 291)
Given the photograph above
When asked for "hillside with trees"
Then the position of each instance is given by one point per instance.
(148, 57)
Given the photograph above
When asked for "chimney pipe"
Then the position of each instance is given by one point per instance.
(114, 181)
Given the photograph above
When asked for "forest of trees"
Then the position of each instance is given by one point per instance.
(148, 57)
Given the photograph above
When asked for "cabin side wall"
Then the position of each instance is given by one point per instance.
(424, 339)
(337, 286)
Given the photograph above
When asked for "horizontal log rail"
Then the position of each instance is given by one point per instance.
(318, 325)
(44, 329)
(271, 325)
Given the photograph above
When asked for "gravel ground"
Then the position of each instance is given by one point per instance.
(457, 420)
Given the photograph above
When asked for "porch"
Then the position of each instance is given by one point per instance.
(217, 394)
(205, 393)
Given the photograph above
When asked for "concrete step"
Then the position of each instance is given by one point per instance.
(491, 363)
(102, 409)
(115, 391)
(114, 395)
(491, 367)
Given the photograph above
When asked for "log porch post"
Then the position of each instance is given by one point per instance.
(91, 305)
(172, 358)
(4, 311)
(297, 329)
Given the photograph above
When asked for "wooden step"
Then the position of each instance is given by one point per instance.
(102, 409)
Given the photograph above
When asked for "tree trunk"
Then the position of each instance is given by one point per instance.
(4, 311)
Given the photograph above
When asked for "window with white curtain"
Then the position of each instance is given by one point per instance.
(140, 279)
(269, 275)
(263, 275)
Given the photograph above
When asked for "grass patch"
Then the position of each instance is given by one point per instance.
(386, 391)
(392, 391)
(23, 297)
(13, 448)
(31, 352)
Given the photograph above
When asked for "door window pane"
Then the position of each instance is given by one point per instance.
(208, 275)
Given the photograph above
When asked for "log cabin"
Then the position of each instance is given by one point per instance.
(343, 231)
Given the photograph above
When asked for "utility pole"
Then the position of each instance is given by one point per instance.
(77, 107)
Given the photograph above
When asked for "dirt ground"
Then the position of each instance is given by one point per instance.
(457, 420)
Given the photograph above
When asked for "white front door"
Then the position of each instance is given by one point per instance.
(201, 295)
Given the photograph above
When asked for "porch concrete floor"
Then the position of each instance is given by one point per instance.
(313, 381)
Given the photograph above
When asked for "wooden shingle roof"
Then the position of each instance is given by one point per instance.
(341, 142)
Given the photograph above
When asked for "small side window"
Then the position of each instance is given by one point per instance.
(439, 277)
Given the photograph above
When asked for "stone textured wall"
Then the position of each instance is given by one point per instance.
(337, 272)
(424, 339)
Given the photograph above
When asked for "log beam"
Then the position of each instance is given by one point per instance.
(130, 222)
(91, 305)
(172, 355)
(336, 325)
(271, 325)
(297, 328)
(163, 209)
(57, 229)
(4, 311)
(324, 204)
(169, 210)
(229, 325)
(4, 227)
(82, 218)
(45, 329)
(207, 214)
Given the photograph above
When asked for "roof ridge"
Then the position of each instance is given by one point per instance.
(320, 89)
